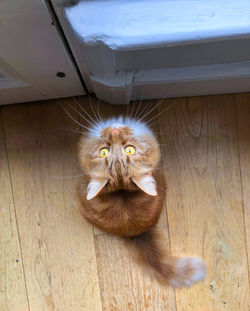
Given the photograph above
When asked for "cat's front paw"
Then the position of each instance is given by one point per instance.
(189, 270)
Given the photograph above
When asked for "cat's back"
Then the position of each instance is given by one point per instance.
(123, 212)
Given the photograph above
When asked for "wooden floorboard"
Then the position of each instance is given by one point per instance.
(124, 284)
(13, 294)
(243, 109)
(57, 245)
(67, 265)
(204, 199)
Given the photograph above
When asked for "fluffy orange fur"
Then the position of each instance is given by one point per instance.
(123, 208)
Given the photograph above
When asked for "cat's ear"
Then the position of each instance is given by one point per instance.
(94, 187)
(147, 184)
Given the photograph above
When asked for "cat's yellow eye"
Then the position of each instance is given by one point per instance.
(130, 150)
(104, 152)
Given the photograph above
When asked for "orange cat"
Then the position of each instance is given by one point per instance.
(122, 193)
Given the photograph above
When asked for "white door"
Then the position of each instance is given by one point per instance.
(34, 63)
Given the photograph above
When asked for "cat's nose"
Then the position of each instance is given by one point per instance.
(115, 130)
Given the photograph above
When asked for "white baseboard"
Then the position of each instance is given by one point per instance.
(174, 82)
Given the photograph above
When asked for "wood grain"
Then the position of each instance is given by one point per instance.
(124, 284)
(205, 150)
(204, 199)
(58, 246)
(243, 109)
(13, 295)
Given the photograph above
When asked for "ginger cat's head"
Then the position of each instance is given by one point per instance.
(119, 154)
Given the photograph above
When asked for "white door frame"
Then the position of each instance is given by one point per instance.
(34, 63)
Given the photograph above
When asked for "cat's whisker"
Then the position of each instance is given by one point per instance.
(68, 177)
(75, 131)
(72, 107)
(81, 107)
(156, 106)
(98, 111)
(98, 120)
(86, 119)
(145, 108)
(132, 110)
(72, 118)
(158, 187)
(159, 114)
(165, 166)
(138, 107)
(151, 125)
(136, 111)
(127, 110)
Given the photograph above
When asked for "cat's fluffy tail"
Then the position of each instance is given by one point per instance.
(178, 272)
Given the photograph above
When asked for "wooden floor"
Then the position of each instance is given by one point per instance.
(51, 259)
